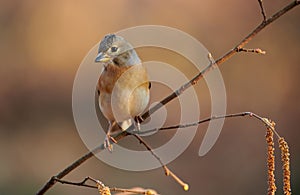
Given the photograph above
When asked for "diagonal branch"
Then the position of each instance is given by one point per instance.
(76, 164)
(168, 172)
(222, 59)
(172, 96)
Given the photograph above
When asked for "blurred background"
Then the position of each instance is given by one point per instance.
(42, 44)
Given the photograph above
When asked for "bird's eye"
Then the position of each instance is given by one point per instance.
(114, 49)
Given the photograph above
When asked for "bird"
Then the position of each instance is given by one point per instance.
(123, 87)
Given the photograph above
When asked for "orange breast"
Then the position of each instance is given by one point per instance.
(124, 88)
(109, 76)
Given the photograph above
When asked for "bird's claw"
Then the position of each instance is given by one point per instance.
(137, 122)
(138, 126)
(107, 142)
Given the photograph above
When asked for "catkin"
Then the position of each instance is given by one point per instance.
(285, 158)
(150, 192)
(103, 190)
(270, 162)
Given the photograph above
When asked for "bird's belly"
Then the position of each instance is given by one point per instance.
(124, 104)
(139, 100)
(124, 92)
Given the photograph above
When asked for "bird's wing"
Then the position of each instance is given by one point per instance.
(102, 120)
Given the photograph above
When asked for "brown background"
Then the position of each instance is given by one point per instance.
(43, 42)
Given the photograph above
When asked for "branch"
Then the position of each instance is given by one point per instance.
(168, 172)
(263, 12)
(76, 164)
(101, 187)
(257, 50)
(82, 183)
(268, 123)
(264, 120)
(221, 60)
(172, 96)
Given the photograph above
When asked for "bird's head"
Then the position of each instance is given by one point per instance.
(115, 49)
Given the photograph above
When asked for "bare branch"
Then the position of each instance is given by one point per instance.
(259, 28)
(100, 185)
(76, 164)
(172, 96)
(221, 60)
(263, 12)
(135, 191)
(265, 121)
(257, 50)
(142, 141)
(168, 172)
(82, 183)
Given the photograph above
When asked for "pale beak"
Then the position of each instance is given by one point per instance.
(102, 57)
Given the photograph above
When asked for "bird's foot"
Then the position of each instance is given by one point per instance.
(137, 124)
(108, 144)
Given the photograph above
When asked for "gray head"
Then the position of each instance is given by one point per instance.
(115, 49)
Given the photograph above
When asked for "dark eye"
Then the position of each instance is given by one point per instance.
(113, 49)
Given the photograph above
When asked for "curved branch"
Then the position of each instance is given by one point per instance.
(264, 120)
(76, 164)
(221, 60)
(173, 95)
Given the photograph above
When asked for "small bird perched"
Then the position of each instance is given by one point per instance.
(123, 86)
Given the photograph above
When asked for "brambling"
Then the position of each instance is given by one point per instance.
(123, 86)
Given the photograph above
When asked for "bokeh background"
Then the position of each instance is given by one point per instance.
(42, 43)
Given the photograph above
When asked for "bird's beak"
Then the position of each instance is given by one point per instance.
(102, 57)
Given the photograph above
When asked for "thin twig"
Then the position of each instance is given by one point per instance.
(172, 96)
(81, 183)
(257, 30)
(168, 172)
(76, 164)
(99, 183)
(257, 50)
(142, 141)
(221, 60)
(181, 126)
(146, 192)
(263, 12)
